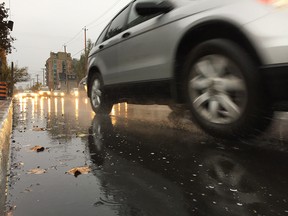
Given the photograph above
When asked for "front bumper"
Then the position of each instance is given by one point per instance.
(275, 79)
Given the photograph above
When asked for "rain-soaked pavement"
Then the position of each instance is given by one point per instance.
(144, 160)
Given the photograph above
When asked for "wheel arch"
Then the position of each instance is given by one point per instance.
(203, 32)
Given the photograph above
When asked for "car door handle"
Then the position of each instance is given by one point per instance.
(101, 46)
(126, 34)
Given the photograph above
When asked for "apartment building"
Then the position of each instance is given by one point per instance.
(59, 72)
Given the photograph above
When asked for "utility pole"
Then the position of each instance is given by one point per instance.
(85, 48)
(64, 67)
(43, 77)
(12, 71)
(37, 75)
(85, 44)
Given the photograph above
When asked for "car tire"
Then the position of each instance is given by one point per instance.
(100, 101)
(224, 91)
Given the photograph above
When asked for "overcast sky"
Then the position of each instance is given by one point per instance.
(41, 26)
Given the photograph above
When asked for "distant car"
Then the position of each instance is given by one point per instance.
(82, 87)
(58, 93)
(74, 92)
(28, 94)
(227, 61)
(45, 92)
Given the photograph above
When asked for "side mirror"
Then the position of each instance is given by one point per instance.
(151, 8)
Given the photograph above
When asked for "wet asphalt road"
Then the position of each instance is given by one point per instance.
(144, 160)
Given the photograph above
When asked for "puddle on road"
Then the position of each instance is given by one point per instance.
(135, 168)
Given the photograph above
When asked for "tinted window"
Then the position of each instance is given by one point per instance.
(135, 19)
(102, 36)
(118, 23)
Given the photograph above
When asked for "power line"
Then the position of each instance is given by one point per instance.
(103, 21)
(73, 38)
(77, 52)
(93, 22)
(103, 14)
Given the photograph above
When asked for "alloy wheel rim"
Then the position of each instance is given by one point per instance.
(96, 93)
(217, 89)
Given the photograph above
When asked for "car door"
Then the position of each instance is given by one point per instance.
(144, 49)
(106, 48)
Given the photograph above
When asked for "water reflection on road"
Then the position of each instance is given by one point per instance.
(187, 172)
(145, 160)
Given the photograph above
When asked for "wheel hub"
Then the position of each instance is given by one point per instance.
(96, 93)
(217, 89)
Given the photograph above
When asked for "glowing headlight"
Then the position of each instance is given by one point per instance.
(76, 93)
(62, 94)
(55, 93)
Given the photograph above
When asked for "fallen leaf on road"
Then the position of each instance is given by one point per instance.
(27, 190)
(10, 211)
(36, 171)
(38, 129)
(79, 170)
(82, 135)
(38, 148)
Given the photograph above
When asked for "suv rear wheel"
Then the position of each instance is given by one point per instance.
(224, 90)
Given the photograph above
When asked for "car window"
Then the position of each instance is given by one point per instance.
(102, 36)
(135, 19)
(118, 23)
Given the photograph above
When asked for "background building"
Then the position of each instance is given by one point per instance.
(59, 72)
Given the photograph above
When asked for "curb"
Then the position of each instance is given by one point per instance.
(6, 111)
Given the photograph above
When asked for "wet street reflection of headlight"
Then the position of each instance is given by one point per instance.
(24, 107)
(113, 120)
(56, 105)
(76, 108)
(62, 106)
(41, 106)
(126, 109)
(21, 104)
(119, 108)
(113, 110)
(33, 107)
(49, 106)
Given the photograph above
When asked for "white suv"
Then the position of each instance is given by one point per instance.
(227, 60)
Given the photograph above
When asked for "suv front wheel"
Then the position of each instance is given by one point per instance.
(100, 102)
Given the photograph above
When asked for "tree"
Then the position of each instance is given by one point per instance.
(19, 75)
(80, 66)
(5, 27)
(36, 86)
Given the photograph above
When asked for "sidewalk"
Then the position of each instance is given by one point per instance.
(5, 131)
